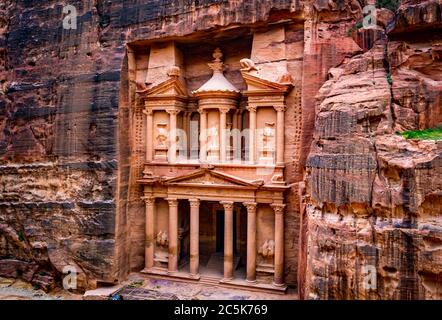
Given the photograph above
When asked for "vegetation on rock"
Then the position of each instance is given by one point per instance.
(427, 134)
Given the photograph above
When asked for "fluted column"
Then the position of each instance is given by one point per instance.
(203, 135)
(194, 236)
(251, 241)
(172, 134)
(150, 231)
(223, 135)
(280, 110)
(252, 133)
(149, 134)
(173, 234)
(279, 244)
(228, 239)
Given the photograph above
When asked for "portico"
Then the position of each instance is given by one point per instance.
(234, 197)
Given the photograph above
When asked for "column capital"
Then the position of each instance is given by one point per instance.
(280, 108)
(173, 202)
(149, 200)
(228, 205)
(201, 110)
(251, 108)
(224, 110)
(173, 112)
(148, 111)
(251, 206)
(194, 203)
(278, 208)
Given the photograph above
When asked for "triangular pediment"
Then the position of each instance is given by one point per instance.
(173, 87)
(207, 177)
(255, 83)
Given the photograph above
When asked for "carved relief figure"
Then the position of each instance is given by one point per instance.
(267, 250)
(248, 65)
(212, 139)
(162, 135)
(162, 239)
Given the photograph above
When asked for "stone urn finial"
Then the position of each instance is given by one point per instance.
(217, 64)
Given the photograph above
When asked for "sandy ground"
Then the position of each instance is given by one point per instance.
(167, 289)
(140, 287)
(13, 289)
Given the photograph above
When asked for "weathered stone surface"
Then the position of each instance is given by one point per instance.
(370, 197)
(372, 202)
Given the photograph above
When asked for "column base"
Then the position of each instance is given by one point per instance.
(279, 285)
(227, 279)
(251, 281)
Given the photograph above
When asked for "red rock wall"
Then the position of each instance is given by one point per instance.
(65, 148)
(373, 201)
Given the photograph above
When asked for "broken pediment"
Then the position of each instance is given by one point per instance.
(258, 85)
(171, 88)
(207, 177)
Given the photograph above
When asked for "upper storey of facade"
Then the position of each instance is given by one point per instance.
(234, 122)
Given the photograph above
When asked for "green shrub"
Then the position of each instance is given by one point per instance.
(427, 134)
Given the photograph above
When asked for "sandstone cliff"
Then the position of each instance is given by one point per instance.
(373, 199)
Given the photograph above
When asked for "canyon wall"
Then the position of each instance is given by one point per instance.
(371, 219)
(370, 202)
(66, 156)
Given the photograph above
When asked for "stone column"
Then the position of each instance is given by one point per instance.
(203, 135)
(173, 234)
(172, 134)
(186, 132)
(252, 133)
(194, 236)
(279, 244)
(149, 134)
(150, 232)
(280, 110)
(223, 135)
(228, 239)
(235, 120)
(251, 241)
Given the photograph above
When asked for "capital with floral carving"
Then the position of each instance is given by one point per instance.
(280, 108)
(251, 206)
(278, 208)
(228, 205)
(251, 108)
(173, 112)
(224, 110)
(148, 111)
(194, 203)
(172, 202)
(148, 200)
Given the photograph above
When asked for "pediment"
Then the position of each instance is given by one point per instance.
(206, 177)
(172, 87)
(255, 83)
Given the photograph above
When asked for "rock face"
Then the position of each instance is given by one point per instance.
(370, 202)
(373, 199)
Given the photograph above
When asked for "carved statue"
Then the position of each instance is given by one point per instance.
(162, 239)
(268, 134)
(247, 65)
(162, 135)
(212, 138)
(267, 250)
